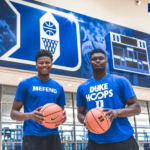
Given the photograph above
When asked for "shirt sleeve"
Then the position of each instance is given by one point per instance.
(21, 92)
(80, 98)
(126, 89)
(61, 100)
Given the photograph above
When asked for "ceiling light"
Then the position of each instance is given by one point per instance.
(138, 2)
(69, 84)
(143, 94)
(20, 78)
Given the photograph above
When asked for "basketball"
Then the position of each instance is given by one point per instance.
(96, 122)
(53, 115)
(49, 28)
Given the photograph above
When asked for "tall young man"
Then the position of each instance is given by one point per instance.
(33, 93)
(113, 93)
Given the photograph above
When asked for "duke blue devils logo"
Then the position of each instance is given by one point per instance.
(39, 27)
(49, 34)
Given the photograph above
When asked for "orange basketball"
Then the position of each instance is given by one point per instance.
(96, 122)
(53, 115)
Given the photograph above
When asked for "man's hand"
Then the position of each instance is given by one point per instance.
(85, 125)
(64, 117)
(37, 116)
(111, 113)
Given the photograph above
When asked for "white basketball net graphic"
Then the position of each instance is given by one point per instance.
(50, 45)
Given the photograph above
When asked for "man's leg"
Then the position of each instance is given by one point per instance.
(95, 146)
(34, 143)
(129, 144)
(54, 142)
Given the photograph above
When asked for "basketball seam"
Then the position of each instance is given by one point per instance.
(96, 121)
(49, 123)
(53, 113)
(90, 127)
(53, 122)
(48, 106)
(104, 116)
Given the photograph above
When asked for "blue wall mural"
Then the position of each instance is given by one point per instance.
(68, 35)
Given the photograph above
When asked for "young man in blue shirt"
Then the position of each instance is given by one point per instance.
(33, 93)
(113, 93)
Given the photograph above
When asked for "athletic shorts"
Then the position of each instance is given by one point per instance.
(49, 142)
(129, 144)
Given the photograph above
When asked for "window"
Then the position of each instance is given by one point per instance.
(76, 119)
(143, 105)
(81, 134)
(75, 100)
(143, 134)
(66, 133)
(131, 120)
(6, 108)
(12, 132)
(68, 100)
(8, 93)
(69, 114)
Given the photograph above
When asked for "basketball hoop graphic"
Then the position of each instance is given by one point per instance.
(50, 29)
(50, 45)
(49, 34)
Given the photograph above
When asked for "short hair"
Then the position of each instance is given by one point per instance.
(97, 51)
(42, 53)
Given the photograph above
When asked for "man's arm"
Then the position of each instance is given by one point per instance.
(132, 109)
(19, 116)
(64, 117)
(81, 114)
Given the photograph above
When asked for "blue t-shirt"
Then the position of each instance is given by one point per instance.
(35, 93)
(109, 92)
